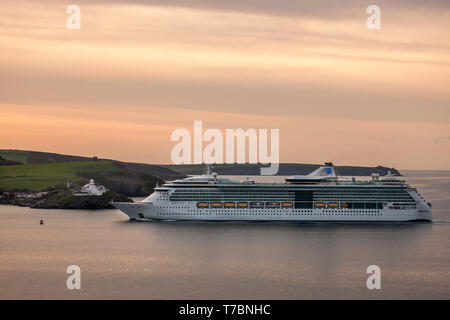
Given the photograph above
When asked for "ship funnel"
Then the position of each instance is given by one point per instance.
(325, 173)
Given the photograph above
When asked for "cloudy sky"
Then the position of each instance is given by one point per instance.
(137, 70)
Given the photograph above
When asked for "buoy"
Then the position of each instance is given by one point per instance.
(42, 222)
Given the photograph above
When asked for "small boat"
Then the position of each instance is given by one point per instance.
(216, 204)
(272, 205)
(333, 205)
(242, 204)
(319, 205)
(229, 205)
(287, 204)
(202, 205)
(257, 205)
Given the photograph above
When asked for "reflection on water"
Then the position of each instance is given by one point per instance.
(205, 260)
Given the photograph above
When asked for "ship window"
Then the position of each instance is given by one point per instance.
(358, 205)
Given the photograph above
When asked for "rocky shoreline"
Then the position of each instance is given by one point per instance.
(64, 199)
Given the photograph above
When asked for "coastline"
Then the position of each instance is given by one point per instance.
(64, 199)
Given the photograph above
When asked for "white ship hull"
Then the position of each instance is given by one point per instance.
(189, 211)
(315, 197)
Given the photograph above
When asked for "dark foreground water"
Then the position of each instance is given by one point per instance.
(185, 260)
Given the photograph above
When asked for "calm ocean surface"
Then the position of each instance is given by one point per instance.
(187, 260)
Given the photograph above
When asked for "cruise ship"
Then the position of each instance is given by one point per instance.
(318, 196)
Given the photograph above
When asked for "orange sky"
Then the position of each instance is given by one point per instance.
(139, 69)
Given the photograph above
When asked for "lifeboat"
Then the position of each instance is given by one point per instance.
(319, 205)
(242, 204)
(257, 205)
(216, 204)
(272, 205)
(333, 205)
(229, 205)
(287, 204)
(202, 205)
(344, 205)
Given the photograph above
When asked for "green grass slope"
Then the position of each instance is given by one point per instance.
(113, 175)
(41, 176)
(15, 155)
(38, 157)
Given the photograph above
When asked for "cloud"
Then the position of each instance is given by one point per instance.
(442, 139)
(214, 60)
(311, 68)
(334, 10)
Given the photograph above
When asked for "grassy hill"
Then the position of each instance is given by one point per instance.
(41, 176)
(37, 157)
(113, 175)
(14, 155)
(43, 170)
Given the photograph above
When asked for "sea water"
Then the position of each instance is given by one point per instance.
(120, 259)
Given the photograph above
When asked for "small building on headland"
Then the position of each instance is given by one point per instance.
(91, 189)
(29, 195)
